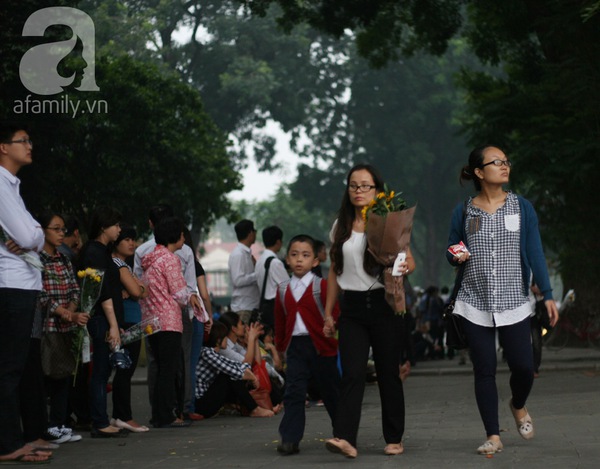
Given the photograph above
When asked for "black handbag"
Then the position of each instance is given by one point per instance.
(455, 334)
(58, 358)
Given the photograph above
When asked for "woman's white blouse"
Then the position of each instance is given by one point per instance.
(354, 277)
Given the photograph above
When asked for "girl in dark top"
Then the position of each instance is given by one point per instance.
(103, 327)
(132, 289)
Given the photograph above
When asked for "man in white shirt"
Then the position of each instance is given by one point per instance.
(186, 256)
(20, 282)
(275, 273)
(245, 295)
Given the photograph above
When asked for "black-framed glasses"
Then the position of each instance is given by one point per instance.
(498, 163)
(362, 187)
(58, 229)
(24, 141)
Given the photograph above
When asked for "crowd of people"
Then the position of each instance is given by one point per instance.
(289, 335)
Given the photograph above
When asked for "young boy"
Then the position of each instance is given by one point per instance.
(299, 334)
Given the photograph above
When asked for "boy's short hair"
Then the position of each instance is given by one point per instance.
(168, 231)
(243, 228)
(303, 238)
(71, 224)
(271, 235)
(217, 333)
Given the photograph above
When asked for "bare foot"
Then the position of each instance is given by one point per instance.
(393, 449)
(27, 454)
(278, 408)
(260, 412)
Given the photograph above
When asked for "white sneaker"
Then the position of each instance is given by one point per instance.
(73, 437)
(55, 435)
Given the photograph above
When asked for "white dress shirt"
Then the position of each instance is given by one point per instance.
(277, 274)
(299, 286)
(19, 225)
(245, 295)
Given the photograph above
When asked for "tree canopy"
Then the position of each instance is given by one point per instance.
(543, 107)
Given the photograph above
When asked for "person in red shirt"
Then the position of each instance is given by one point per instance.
(299, 334)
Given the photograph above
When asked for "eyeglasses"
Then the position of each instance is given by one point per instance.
(498, 163)
(58, 229)
(24, 141)
(362, 187)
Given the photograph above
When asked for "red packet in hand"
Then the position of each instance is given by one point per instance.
(458, 249)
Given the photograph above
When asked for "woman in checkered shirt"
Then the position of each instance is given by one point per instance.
(500, 231)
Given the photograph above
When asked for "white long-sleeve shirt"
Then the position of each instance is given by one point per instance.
(277, 274)
(19, 225)
(245, 294)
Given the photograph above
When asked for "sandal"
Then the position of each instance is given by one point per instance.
(524, 424)
(393, 449)
(491, 447)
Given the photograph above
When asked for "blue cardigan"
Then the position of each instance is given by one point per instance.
(532, 254)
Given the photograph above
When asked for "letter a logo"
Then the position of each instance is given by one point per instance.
(38, 67)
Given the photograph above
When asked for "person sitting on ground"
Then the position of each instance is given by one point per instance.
(221, 380)
(243, 346)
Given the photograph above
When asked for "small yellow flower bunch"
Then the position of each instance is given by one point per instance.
(383, 203)
(148, 330)
(90, 273)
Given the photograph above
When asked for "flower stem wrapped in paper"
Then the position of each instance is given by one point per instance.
(141, 329)
(91, 285)
(388, 226)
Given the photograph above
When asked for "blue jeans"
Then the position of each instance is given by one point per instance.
(516, 342)
(197, 340)
(16, 317)
(97, 328)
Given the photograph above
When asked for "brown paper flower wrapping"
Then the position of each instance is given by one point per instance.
(386, 237)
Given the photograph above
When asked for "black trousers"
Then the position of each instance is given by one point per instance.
(34, 413)
(222, 390)
(168, 392)
(302, 363)
(121, 392)
(367, 321)
(16, 316)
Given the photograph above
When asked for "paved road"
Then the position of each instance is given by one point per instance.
(442, 428)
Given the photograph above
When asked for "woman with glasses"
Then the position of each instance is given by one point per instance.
(500, 232)
(59, 300)
(366, 320)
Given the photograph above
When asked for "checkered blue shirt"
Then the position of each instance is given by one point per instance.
(211, 364)
(491, 292)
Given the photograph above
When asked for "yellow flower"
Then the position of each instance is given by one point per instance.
(81, 273)
(364, 213)
(391, 196)
(97, 278)
(148, 329)
(381, 195)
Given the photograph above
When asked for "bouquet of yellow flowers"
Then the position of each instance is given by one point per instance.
(91, 285)
(388, 226)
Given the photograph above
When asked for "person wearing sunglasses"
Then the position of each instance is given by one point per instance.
(500, 232)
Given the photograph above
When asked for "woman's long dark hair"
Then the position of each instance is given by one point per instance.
(467, 173)
(343, 227)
